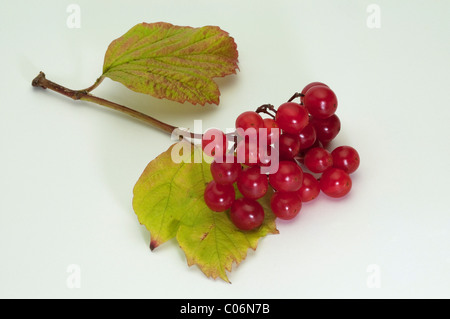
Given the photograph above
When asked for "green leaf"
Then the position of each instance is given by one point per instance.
(163, 193)
(173, 62)
(168, 200)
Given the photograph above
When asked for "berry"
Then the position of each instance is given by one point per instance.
(301, 155)
(288, 178)
(248, 120)
(326, 129)
(285, 205)
(271, 127)
(251, 183)
(246, 213)
(292, 117)
(345, 158)
(247, 153)
(310, 188)
(336, 183)
(265, 157)
(289, 145)
(320, 101)
(214, 143)
(318, 159)
(307, 136)
(225, 173)
(298, 134)
(310, 85)
(251, 154)
(219, 197)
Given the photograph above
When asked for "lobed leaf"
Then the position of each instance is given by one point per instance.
(173, 62)
(168, 200)
(213, 243)
(163, 192)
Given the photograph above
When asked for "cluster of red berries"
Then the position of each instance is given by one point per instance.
(297, 134)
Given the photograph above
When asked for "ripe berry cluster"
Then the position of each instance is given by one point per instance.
(298, 134)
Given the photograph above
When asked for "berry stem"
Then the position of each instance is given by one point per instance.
(296, 95)
(41, 81)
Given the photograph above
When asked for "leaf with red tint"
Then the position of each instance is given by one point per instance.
(173, 62)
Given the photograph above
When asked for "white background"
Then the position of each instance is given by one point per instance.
(67, 168)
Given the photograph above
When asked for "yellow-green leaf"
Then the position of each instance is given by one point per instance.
(173, 62)
(213, 243)
(168, 200)
(164, 191)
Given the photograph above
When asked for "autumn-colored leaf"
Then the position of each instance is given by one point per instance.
(173, 62)
(163, 193)
(213, 243)
(168, 200)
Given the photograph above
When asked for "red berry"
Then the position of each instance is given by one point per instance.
(265, 156)
(307, 136)
(249, 119)
(214, 143)
(285, 205)
(318, 159)
(310, 188)
(310, 85)
(247, 153)
(320, 101)
(219, 197)
(288, 178)
(292, 117)
(251, 183)
(246, 214)
(301, 155)
(326, 129)
(272, 128)
(225, 173)
(289, 145)
(252, 154)
(336, 183)
(345, 158)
